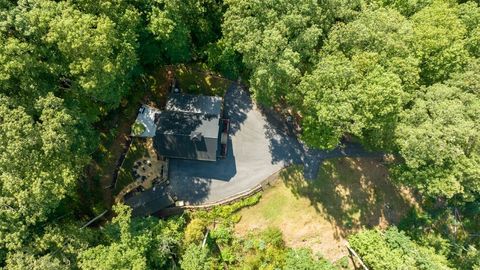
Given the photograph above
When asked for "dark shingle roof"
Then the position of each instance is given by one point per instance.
(206, 105)
(184, 124)
(189, 127)
(149, 202)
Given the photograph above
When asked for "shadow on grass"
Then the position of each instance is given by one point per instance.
(351, 193)
(196, 79)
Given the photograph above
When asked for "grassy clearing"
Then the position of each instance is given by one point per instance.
(349, 195)
(195, 79)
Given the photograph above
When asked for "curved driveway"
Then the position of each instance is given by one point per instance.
(259, 145)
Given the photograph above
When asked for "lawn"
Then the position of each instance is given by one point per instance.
(350, 194)
(195, 79)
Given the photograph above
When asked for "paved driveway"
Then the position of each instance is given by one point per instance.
(259, 145)
(255, 151)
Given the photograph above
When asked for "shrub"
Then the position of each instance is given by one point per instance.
(194, 233)
(138, 128)
(389, 249)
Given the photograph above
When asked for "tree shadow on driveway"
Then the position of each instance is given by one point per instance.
(190, 189)
(191, 179)
(236, 107)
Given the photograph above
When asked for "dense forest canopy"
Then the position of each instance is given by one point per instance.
(402, 77)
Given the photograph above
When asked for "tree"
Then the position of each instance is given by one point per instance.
(439, 141)
(40, 161)
(87, 59)
(134, 244)
(392, 249)
(20, 261)
(361, 83)
(195, 258)
(184, 29)
(278, 41)
(439, 41)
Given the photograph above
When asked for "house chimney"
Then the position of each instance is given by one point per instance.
(196, 136)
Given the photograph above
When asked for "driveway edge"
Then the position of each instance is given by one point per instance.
(241, 195)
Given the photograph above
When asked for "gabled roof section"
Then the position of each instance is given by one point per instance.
(149, 202)
(147, 117)
(207, 105)
(186, 124)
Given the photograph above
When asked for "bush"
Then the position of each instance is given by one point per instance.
(303, 259)
(274, 237)
(195, 231)
(227, 211)
(138, 128)
(392, 248)
(195, 258)
(343, 262)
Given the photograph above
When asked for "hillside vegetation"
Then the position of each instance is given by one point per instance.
(401, 77)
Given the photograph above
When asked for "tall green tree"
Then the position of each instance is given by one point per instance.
(85, 58)
(278, 41)
(392, 249)
(365, 76)
(439, 41)
(41, 157)
(134, 244)
(439, 141)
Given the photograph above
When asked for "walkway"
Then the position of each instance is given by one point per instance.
(259, 145)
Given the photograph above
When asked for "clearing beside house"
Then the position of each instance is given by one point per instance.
(348, 195)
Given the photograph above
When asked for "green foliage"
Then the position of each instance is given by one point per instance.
(439, 140)
(401, 76)
(40, 160)
(195, 231)
(439, 41)
(224, 59)
(134, 244)
(343, 262)
(227, 211)
(20, 261)
(184, 28)
(277, 40)
(303, 259)
(361, 83)
(407, 8)
(265, 250)
(85, 58)
(195, 258)
(138, 128)
(392, 249)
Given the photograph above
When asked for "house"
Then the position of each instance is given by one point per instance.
(188, 128)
